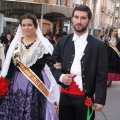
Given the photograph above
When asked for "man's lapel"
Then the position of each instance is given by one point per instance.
(88, 46)
(71, 45)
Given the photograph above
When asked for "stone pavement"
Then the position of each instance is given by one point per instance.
(112, 107)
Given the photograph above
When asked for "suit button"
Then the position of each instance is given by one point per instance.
(82, 69)
(83, 76)
(83, 54)
(68, 69)
(83, 83)
(85, 90)
(82, 61)
(70, 62)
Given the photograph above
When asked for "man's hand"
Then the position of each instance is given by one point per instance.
(98, 107)
(57, 65)
(67, 79)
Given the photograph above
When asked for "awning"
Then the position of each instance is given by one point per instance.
(19, 8)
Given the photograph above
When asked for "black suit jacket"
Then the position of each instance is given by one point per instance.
(94, 65)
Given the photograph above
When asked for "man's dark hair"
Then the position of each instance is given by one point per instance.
(83, 8)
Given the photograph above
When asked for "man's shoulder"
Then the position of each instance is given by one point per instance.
(64, 39)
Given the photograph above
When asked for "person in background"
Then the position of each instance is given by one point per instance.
(24, 101)
(106, 34)
(3, 39)
(49, 36)
(65, 33)
(102, 37)
(49, 33)
(50, 39)
(7, 43)
(83, 70)
(8, 39)
(13, 34)
(113, 48)
(56, 38)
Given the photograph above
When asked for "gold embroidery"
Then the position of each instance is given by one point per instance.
(26, 52)
(35, 80)
(115, 49)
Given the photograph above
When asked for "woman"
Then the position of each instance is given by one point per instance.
(24, 101)
(113, 47)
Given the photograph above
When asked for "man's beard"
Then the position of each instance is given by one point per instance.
(81, 30)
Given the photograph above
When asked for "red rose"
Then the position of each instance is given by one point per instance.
(3, 86)
(88, 102)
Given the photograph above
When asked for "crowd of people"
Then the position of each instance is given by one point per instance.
(80, 63)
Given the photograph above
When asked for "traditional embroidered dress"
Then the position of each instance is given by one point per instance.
(24, 101)
(113, 59)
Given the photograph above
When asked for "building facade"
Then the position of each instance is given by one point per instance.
(49, 13)
(53, 14)
(117, 14)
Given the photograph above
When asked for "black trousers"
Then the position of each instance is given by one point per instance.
(72, 107)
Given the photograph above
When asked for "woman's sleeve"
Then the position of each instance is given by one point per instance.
(10, 70)
(47, 58)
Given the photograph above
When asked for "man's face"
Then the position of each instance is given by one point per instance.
(80, 21)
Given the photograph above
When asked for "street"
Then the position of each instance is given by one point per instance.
(112, 107)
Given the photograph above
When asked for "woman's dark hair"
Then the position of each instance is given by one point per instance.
(83, 8)
(111, 30)
(30, 16)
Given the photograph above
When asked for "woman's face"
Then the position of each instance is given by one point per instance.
(28, 28)
(115, 32)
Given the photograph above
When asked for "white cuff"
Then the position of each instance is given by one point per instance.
(61, 77)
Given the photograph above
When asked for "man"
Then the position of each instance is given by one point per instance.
(83, 70)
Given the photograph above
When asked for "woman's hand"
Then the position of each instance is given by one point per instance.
(57, 65)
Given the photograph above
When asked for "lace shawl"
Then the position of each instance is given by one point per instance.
(36, 51)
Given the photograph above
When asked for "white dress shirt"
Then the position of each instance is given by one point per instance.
(80, 43)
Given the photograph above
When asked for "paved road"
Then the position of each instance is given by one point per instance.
(112, 107)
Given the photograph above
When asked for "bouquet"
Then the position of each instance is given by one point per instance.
(3, 86)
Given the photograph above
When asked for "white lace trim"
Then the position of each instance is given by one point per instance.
(37, 50)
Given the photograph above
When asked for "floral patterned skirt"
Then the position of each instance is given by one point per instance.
(25, 102)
